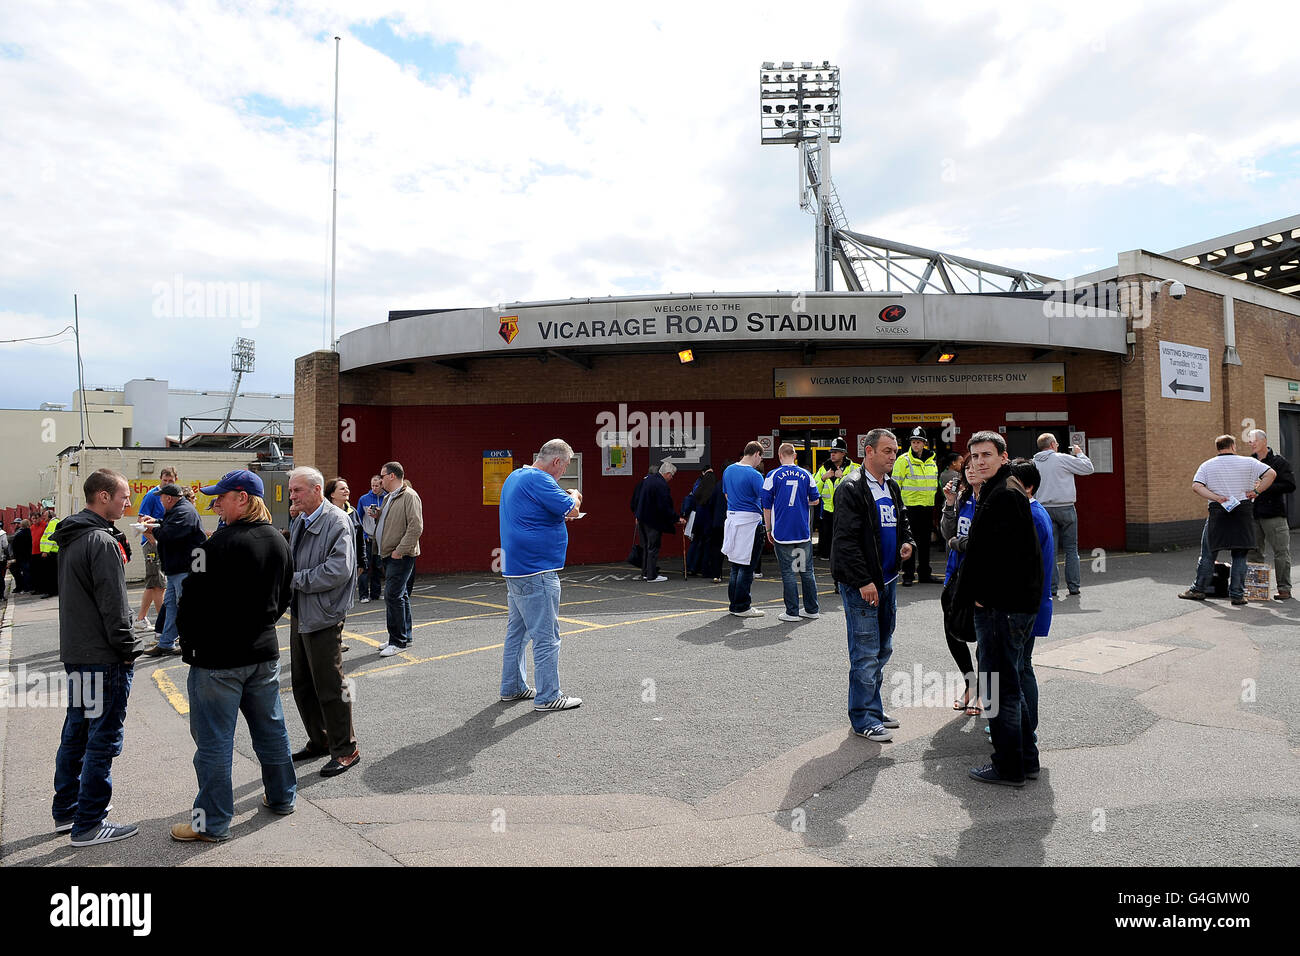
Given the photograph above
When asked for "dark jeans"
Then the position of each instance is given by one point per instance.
(1003, 637)
(397, 599)
(323, 699)
(93, 730)
(742, 575)
(651, 539)
(371, 580)
(921, 520)
(825, 532)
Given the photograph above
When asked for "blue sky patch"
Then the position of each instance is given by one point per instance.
(417, 50)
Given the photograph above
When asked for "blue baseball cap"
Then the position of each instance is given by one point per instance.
(241, 480)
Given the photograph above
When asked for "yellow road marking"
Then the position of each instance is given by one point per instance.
(171, 692)
(432, 597)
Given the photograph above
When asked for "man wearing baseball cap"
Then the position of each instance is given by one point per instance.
(177, 536)
(917, 474)
(238, 589)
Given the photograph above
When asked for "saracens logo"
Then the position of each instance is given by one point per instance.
(509, 328)
(892, 313)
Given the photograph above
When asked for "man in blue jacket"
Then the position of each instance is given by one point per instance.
(534, 541)
(177, 536)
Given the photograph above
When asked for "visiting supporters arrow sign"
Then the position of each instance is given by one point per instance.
(1184, 372)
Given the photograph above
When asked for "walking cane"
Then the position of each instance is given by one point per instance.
(685, 576)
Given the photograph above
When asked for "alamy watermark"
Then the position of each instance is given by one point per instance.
(191, 299)
(83, 689)
(649, 430)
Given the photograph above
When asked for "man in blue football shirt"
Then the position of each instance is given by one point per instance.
(742, 532)
(789, 495)
(534, 540)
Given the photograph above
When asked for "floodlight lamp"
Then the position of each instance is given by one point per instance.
(817, 77)
(768, 64)
(767, 109)
(947, 357)
(825, 63)
(789, 77)
(787, 64)
(686, 356)
(806, 64)
(780, 107)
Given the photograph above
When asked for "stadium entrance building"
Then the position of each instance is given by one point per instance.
(1145, 364)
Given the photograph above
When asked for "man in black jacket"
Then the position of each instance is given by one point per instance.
(1002, 577)
(1271, 527)
(98, 650)
(655, 517)
(22, 548)
(239, 588)
(871, 540)
(177, 536)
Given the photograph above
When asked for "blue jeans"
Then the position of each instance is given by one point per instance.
(534, 615)
(397, 599)
(1205, 568)
(871, 643)
(1065, 529)
(1002, 638)
(742, 575)
(788, 555)
(171, 598)
(217, 697)
(93, 730)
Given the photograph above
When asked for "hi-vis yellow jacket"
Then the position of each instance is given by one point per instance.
(47, 544)
(826, 486)
(919, 480)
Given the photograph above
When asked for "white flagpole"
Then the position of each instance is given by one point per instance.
(334, 211)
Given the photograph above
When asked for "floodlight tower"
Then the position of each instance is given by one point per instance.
(241, 360)
(800, 107)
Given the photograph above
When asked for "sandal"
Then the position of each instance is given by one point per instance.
(974, 710)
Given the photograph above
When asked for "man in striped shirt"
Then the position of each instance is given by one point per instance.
(1229, 482)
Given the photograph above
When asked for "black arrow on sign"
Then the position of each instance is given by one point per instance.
(1176, 386)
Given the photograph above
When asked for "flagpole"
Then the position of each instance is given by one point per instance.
(334, 210)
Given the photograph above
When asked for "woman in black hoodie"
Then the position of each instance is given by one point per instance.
(239, 588)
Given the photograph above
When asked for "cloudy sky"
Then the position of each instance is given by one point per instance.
(499, 151)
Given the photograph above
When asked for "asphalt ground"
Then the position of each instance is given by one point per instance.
(709, 739)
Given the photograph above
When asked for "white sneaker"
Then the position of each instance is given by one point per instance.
(758, 574)
(810, 615)
(752, 612)
(388, 650)
(365, 600)
(563, 702)
(657, 580)
(792, 618)
(142, 625)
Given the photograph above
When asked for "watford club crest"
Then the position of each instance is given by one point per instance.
(509, 328)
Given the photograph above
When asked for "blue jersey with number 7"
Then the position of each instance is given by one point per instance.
(788, 491)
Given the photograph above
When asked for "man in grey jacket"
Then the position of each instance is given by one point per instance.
(1057, 495)
(98, 649)
(324, 578)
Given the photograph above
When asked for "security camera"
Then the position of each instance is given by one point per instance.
(1177, 290)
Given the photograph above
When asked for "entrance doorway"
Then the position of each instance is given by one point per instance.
(812, 446)
(1022, 440)
(1288, 446)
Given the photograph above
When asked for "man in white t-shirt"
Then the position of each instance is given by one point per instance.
(1229, 482)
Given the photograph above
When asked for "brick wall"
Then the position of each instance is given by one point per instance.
(316, 432)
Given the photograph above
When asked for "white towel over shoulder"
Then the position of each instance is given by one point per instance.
(738, 536)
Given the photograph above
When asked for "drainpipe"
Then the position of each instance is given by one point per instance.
(1230, 356)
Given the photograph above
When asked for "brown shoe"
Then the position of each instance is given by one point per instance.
(184, 833)
(1239, 602)
(1191, 595)
(337, 766)
(1282, 596)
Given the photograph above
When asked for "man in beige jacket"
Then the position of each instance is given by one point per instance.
(398, 532)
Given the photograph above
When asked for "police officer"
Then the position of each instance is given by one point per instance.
(917, 474)
(828, 478)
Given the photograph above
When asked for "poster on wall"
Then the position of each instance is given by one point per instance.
(497, 465)
(615, 454)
